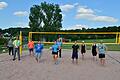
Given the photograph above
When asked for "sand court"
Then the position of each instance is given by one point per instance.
(29, 69)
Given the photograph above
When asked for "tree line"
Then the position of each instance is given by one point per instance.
(15, 31)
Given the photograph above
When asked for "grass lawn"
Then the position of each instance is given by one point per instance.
(98, 40)
(111, 47)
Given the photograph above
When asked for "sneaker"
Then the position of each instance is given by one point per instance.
(13, 59)
(57, 62)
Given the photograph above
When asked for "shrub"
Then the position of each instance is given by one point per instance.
(3, 41)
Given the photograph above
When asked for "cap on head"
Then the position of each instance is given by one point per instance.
(83, 41)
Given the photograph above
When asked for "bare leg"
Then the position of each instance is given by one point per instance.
(101, 61)
(32, 53)
(93, 58)
(29, 52)
(54, 57)
(96, 58)
(56, 60)
(82, 56)
(73, 61)
(76, 61)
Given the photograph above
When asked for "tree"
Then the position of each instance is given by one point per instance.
(45, 17)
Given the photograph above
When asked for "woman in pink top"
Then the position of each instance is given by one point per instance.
(31, 46)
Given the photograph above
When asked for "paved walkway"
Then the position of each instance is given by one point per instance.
(29, 69)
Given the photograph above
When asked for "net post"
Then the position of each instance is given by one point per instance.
(29, 36)
(20, 42)
(116, 38)
(119, 38)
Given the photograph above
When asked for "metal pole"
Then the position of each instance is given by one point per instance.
(20, 42)
(116, 38)
(119, 38)
(29, 36)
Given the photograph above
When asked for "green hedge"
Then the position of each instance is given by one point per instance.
(3, 41)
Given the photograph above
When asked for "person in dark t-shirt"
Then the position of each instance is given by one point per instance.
(75, 48)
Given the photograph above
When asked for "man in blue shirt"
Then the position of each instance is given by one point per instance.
(102, 50)
(59, 43)
(38, 51)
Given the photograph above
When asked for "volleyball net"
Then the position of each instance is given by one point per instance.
(70, 37)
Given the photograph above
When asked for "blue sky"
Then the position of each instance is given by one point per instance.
(76, 13)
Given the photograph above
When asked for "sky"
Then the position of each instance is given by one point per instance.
(77, 14)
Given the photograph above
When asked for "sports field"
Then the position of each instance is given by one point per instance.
(111, 47)
(29, 69)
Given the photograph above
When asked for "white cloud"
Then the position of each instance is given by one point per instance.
(89, 14)
(77, 26)
(68, 7)
(104, 19)
(3, 5)
(85, 11)
(21, 13)
(85, 16)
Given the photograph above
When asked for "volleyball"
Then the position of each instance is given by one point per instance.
(3, 50)
(50, 48)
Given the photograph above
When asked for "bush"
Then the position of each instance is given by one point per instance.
(3, 41)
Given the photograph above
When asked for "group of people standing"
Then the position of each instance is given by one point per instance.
(99, 49)
(38, 49)
(56, 50)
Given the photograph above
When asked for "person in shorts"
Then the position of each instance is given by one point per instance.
(83, 49)
(38, 51)
(102, 50)
(55, 49)
(31, 47)
(75, 48)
